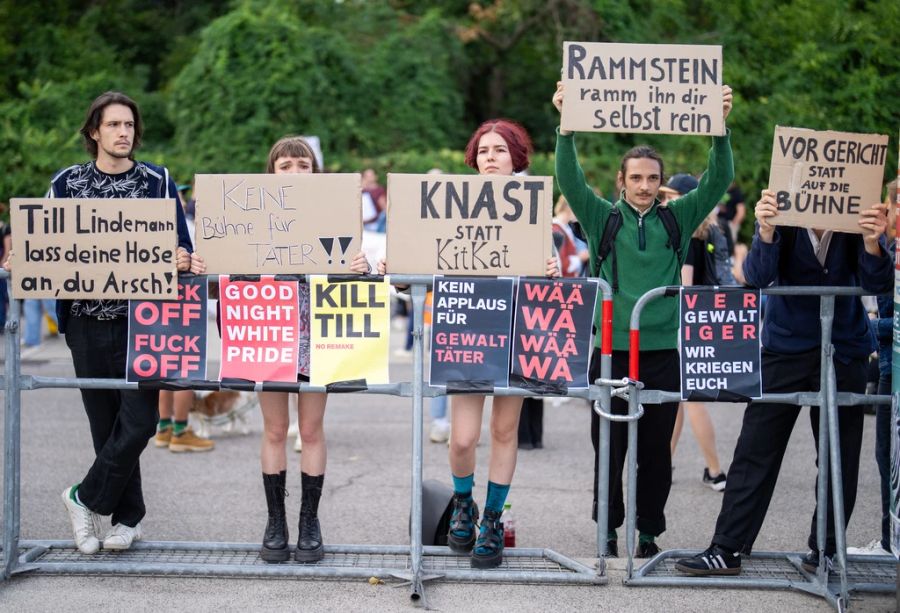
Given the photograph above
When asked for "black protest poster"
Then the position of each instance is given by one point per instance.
(471, 320)
(720, 349)
(167, 338)
(552, 332)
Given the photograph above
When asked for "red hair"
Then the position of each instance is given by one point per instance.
(514, 134)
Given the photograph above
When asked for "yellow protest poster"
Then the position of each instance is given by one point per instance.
(349, 328)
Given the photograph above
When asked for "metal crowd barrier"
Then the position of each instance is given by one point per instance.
(413, 563)
(770, 570)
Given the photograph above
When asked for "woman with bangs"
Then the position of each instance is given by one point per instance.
(294, 155)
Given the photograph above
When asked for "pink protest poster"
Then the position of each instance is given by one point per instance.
(260, 329)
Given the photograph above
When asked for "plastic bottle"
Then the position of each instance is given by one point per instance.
(509, 526)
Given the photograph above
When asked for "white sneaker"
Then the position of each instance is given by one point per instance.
(440, 431)
(872, 549)
(122, 536)
(85, 523)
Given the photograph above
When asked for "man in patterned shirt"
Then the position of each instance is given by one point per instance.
(121, 421)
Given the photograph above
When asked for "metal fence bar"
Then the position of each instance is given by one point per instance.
(11, 444)
(413, 570)
(828, 399)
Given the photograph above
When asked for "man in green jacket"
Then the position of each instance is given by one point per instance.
(641, 260)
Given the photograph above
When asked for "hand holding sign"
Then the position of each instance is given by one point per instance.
(766, 209)
(873, 222)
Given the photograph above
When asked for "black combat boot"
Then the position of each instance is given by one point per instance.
(309, 543)
(275, 542)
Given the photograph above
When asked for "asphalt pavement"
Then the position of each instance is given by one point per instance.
(218, 496)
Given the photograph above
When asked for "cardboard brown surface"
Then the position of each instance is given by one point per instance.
(482, 225)
(93, 248)
(631, 88)
(271, 224)
(824, 179)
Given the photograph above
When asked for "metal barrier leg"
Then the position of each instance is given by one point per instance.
(417, 590)
(603, 484)
(633, 403)
(837, 485)
(823, 464)
(12, 440)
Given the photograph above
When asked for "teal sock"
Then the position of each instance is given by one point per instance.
(645, 538)
(180, 426)
(164, 424)
(612, 536)
(463, 485)
(496, 496)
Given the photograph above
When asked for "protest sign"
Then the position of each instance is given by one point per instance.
(469, 224)
(93, 248)
(552, 332)
(349, 331)
(824, 180)
(167, 338)
(285, 223)
(259, 329)
(471, 322)
(663, 89)
(720, 349)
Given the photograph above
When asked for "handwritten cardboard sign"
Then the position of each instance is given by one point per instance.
(720, 348)
(167, 338)
(93, 248)
(471, 321)
(473, 225)
(259, 329)
(350, 331)
(552, 332)
(823, 180)
(286, 223)
(664, 89)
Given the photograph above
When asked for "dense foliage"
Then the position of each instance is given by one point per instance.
(399, 84)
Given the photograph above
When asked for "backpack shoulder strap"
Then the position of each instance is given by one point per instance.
(667, 217)
(612, 227)
(607, 246)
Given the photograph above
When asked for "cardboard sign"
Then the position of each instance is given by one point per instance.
(472, 319)
(664, 89)
(552, 334)
(823, 180)
(286, 223)
(350, 331)
(720, 348)
(473, 225)
(167, 339)
(93, 248)
(259, 329)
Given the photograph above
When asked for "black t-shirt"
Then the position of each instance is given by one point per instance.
(697, 258)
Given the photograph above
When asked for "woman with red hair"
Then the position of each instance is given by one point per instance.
(497, 147)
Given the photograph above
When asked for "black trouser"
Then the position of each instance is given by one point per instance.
(764, 437)
(658, 371)
(122, 421)
(531, 421)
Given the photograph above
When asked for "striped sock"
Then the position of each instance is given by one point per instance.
(164, 424)
(180, 426)
(645, 538)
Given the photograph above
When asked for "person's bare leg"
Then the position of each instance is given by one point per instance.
(274, 408)
(705, 434)
(465, 430)
(311, 417)
(504, 438)
(676, 433)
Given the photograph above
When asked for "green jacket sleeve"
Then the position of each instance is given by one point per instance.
(694, 206)
(590, 209)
